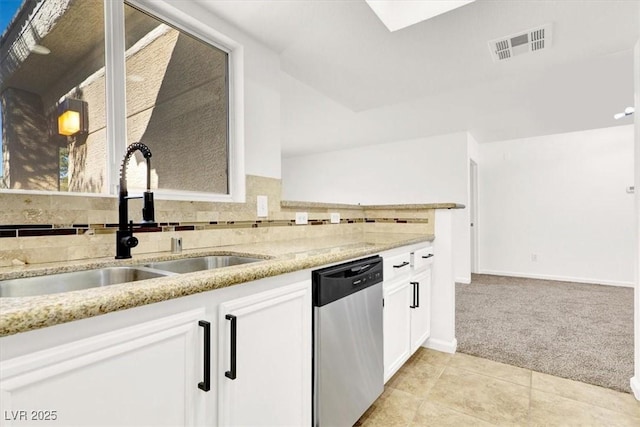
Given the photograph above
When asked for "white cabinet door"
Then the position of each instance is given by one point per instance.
(265, 358)
(144, 375)
(396, 325)
(420, 308)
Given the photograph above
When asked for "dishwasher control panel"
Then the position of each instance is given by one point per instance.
(338, 281)
(377, 277)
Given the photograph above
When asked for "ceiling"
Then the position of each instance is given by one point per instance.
(438, 76)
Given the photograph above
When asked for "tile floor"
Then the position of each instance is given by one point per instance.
(440, 389)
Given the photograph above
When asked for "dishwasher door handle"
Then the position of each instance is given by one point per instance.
(361, 269)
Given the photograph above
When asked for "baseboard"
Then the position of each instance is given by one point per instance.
(440, 345)
(635, 386)
(559, 278)
(464, 280)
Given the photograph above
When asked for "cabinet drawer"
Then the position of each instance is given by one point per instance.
(397, 265)
(422, 257)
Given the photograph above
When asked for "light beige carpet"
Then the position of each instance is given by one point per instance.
(572, 330)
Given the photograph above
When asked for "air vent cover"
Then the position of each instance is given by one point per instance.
(520, 43)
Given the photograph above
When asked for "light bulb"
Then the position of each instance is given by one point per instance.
(618, 116)
(40, 50)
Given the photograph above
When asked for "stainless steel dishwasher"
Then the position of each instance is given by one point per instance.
(348, 370)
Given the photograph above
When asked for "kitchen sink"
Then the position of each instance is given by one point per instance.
(77, 280)
(189, 265)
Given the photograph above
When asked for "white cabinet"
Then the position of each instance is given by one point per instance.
(407, 305)
(143, 375)
(396, 325)
(420, 308)
(144, 366)
(264, 370)
(421, 280)
(397, 293)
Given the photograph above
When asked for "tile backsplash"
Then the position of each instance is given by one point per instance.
(52, 228)
(65, 210)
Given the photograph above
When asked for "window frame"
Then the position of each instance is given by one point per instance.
(115, 99)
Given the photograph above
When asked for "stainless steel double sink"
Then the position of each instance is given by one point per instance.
(78, 280)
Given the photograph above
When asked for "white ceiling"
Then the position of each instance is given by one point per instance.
(437, 76)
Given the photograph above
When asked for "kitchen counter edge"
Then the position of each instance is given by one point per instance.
(292, 204)
(24, 314)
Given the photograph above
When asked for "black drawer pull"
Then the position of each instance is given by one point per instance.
(206, 384)
(416, 295)
(401, 265)
(427, 256)
(232, 373)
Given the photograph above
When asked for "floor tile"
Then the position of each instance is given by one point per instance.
(431, 357)
(440, 389)
(549, 409)
(416, 379)
(432, 414)
(587, 393)
(493, 369)
(491, 399)
(394, 408)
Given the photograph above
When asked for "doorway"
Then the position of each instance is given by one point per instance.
(473, 214)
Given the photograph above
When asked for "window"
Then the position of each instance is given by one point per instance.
(69, 108)
(43, 62)
(177, 104)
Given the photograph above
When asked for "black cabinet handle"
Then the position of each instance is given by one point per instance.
(416, 294)
(206, 384)
(232, 373)
(401, 265)
(427, 256)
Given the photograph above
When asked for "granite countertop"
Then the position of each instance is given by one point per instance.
(21, 314)
(292, 204)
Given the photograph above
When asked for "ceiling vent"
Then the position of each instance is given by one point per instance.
(518, 44)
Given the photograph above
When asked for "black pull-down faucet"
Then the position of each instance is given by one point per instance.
(124, 236)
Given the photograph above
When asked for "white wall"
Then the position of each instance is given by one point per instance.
(262, 124)
(424, 170)
(561, 197)
(420, 170)
(262, 111)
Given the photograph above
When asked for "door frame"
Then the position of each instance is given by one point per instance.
(473, 215)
